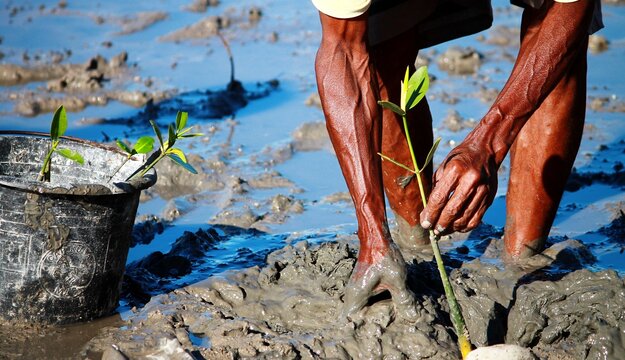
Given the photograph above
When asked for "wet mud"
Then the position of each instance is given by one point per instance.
(460, 61)
(75, 86)
(291, 308)
(183, 301)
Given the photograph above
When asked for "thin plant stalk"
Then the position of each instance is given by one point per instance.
(413, 89)
(45, 169)
(229, 52)
(140, 174)
(457, 319)
(57, 129)
(119, 168)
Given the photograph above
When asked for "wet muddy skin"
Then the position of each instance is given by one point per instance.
(250, 258)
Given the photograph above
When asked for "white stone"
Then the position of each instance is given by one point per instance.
(501, 352)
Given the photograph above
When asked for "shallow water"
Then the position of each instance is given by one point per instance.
(266, 124)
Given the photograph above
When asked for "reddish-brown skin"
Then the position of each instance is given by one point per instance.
(541, 111)
(539, 114)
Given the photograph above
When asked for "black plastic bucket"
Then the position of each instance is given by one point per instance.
(64, 243)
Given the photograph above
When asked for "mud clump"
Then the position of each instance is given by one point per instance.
(158, 271)
(202, 29)
(607, 104)
(139, 22)
(174, 181)
(313, 100)
(597, 43)
(76, 86)
(460, 61)
(455, 122)
(91, 76)
(615, 231)
(90, 73)
(311, 136)
(578, 180)
(338, 197)
(243, 218)
(582, 315)
(202, 5)
(270, 180)
(290, 308)
(502, 36)
(207, 104)
(145, 229)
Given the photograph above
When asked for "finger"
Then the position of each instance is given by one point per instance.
(478, 200)
(455, 206)
(479, 214)
(437, 200)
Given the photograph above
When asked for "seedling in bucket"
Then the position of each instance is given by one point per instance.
(413, 89)
(176, 132)
(144, 145)
(57, 129)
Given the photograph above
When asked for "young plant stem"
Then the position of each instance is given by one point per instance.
(150, 165)
(230, 57)
(45, 169)
(455, 313)
(119, 168)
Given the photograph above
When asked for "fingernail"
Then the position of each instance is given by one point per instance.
(439, 229)
(426, 224)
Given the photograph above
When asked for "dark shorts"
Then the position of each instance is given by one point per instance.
(435, 21)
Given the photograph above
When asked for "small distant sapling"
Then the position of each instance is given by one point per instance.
(57, 129)
(176, 132)
(413, 89)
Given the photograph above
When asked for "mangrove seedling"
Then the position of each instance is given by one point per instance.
(176, 132)
(413, 89)
(57, 129)
(144, 145)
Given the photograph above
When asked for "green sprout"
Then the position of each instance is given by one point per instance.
(176, 132)
(144, 145)
(413, 89)
(57, 129)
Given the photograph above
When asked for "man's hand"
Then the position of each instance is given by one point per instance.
(464, 187)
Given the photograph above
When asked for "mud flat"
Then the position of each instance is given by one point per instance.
(254, 192)
(290, 308)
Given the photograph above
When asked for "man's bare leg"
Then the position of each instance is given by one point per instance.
(541, 161)
(347, 83)
(391, 59)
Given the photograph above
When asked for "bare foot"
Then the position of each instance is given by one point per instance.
(389, 273)
(409, 237)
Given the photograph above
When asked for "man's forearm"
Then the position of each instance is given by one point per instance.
(550, 43)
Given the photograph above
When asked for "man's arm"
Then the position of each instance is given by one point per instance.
(348, 91)
(466, 182)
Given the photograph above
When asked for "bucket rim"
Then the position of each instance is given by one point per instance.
(83, 189)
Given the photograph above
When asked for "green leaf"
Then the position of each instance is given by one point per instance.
(191, 135)
(431, 153)
(122, 145)
(394, 108)
(177, 152)
(171, 136)
(144, 145)
(181, 120)
(396, 163)
(59, 123)
(72, 155)
(404, 90)
(157, 131)
(418, 85)
(182, 163)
